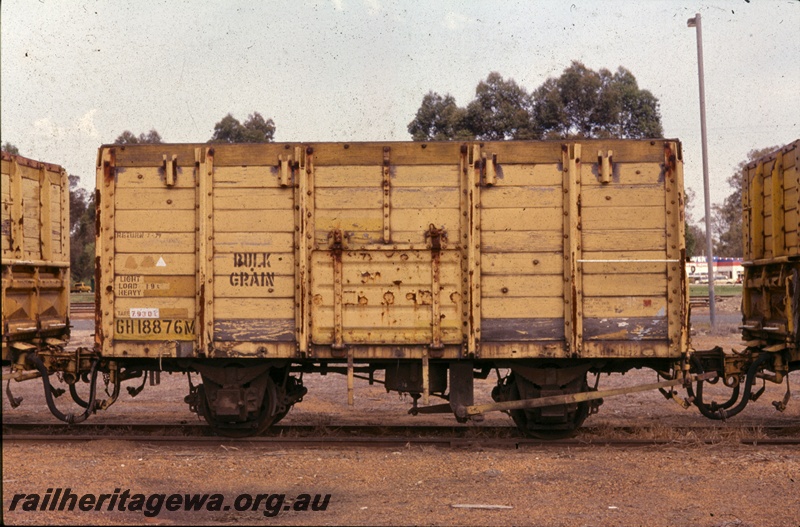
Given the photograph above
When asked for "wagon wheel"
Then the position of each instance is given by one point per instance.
(532, 424)
(238, 429)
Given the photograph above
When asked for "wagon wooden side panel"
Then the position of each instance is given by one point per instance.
(365, 251)
(771, 221)
(35, 254)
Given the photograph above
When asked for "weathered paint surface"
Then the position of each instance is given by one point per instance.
(392, 250)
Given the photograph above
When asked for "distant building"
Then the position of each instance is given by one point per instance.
(725, 269)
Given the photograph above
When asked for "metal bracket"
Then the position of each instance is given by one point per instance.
(170, 166)
(286, 167)
(489, 169)
(605, 163)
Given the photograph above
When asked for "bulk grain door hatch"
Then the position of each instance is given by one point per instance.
(392, 250)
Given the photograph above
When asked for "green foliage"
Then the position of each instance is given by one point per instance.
(255, 129)
(501, 110)
(9, 148)
(438, 119)
(82, 227)
(701, 290)
(128, 138)
(579, 103)
(691, 240)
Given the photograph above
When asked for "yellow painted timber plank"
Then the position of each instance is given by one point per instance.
(255, 308)
(521, 286)
(155, 221)
(151, 242)
(503, 197)
(522, 307)
(623, 218)
(520, 241)
(628, 285)
(521, 219)
(153, 177)
(253, 221)
(632, 240)
(625, 306)
(529, 263)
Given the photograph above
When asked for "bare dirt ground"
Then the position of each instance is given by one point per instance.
(684, 483)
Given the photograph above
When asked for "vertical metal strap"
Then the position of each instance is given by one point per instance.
(63, 184)
(757, 213)
(45, 219)
(104, 316)
(473, 275)
(338, 316)
(463, 243)
(677, 312)
(746, 214)
(17, 231)
(426, 379)
(778, 208)
(435, 235)
(303, 240)
(36, 298)
(387, 185)
(336, 255)
(436, 304)
(204, 305)
(796, 147)
(350, 376)
(573, 275)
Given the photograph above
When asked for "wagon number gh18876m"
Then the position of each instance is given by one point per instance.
(144, 329)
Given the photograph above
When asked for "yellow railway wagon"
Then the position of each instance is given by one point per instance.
(771, 222)
(432, 262)
(35, 255)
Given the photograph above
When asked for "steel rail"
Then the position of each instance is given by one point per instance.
(405, 442)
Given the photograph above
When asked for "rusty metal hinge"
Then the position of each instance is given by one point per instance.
(337, 241)
(436, 236)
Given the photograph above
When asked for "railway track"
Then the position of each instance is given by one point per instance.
(81, 307)
(703, 301)
(375, 436)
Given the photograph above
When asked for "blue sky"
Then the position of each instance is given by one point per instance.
(75, 74)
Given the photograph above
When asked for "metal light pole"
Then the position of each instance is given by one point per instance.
(696, 23)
